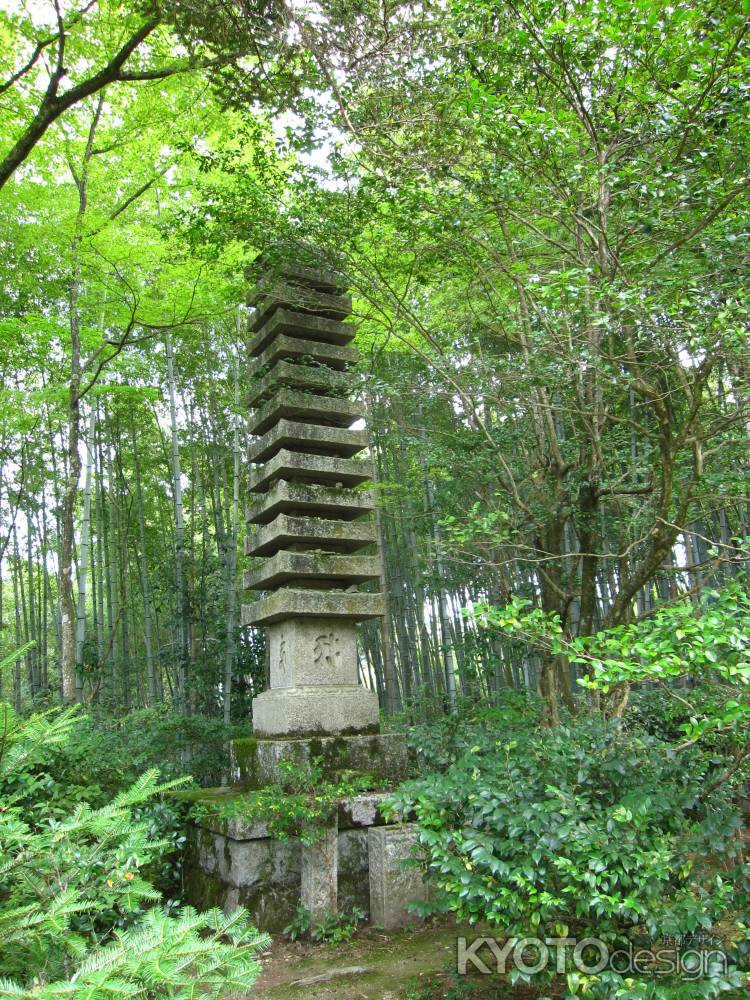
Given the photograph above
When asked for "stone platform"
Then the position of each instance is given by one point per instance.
(357, 862)
(255, 762)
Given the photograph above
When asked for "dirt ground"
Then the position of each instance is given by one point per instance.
(412, 964)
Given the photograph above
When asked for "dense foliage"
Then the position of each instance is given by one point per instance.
(300, 804)
(542, 211)
(77, 913)
(629, 831)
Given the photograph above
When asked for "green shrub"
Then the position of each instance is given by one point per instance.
(77, 914)
(299, 805)
(332, 928)
(110, 751)
(589, 830)
(436, 743)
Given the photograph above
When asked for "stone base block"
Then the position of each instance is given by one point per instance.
(255, 762)
(235, 862)
(314, 710)
(264, 876)
(320, 875)
(392, 886)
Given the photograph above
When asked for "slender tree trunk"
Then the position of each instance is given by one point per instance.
(230, 654)
(392, 699)
(83, 558)
(19, 639)
(390, 681)
(99, 507)
(70, 493)
(180, 593)
(56, 507)
(110, 522)
(147, 629)
(449, 668)
(31, 618)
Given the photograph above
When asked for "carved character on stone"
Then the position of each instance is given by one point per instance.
(282, 655)
(326, 649)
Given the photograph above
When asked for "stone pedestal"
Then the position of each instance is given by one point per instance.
(255, 762)
(314, 686)
(314, 710)
(392, 885)
(231, 862)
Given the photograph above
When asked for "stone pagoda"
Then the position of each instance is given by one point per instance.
(315, 537)
(313, 544)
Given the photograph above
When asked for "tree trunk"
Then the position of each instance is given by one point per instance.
(234, 534)
(147, 629)
(70, 493)
(83, 559)
(181, 596)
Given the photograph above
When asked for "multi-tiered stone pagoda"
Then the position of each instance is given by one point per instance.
(314, 541)
(313, 546)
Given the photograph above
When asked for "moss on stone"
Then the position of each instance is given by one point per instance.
(201, 890)
(245, 759)
(384, 758)
(270, 907)
(207, 796)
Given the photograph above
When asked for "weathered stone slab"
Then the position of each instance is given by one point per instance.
(329, 710)
(234, 827)
(308, 378)
(293, 603)
(255, 762)
(298, 324)
(256, 862)
(310, 275)
(320, 874)
(314, 298)
(285, 566)
(270, 874)
(284, 348)
(307, 498)
(267, 301)
(292, 405)
(218, 813)
(288, 529)
(320, 469)
(391, 885)
(267, 874)
(353, 883)
(307, 438)
(312, 651)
